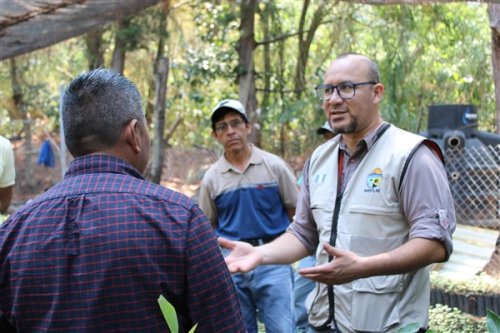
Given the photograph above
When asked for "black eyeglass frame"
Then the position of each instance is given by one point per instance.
(354, 85)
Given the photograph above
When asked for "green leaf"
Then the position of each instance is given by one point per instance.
(410, 328)
(193, 328)
(492, 322)
(169, 314)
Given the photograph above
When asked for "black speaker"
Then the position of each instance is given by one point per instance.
(446, 117)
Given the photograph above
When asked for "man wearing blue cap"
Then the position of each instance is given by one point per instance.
(250, 195)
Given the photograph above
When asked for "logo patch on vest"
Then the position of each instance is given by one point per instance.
(319, 178)
(374, 180)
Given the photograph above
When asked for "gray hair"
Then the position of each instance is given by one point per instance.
(95, 107)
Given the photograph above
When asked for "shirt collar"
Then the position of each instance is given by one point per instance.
(255, 158)
(367, 142)
(101, 163)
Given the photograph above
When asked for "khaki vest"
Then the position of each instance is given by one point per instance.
(369, 222)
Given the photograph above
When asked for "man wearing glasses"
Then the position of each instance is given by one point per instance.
(249, 195)
(375, 207)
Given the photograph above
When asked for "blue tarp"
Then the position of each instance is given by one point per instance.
(46, 156)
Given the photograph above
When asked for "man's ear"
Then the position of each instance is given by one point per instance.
(378, 92)
(132, 135)
(248, 127)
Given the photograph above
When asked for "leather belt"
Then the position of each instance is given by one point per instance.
(260, 241)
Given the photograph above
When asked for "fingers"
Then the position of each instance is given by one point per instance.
(226, 243)
(331, 250)
(319, 273)
(316, 270)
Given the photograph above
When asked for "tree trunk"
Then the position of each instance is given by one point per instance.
(21, 109)
(162, 33)
(300, 69)
(118, 61)
(246, 77)
(494, 12)
(159, 121)
(161, 75)
(95, 50)
(282, 88)
(266, 24)
(305, 43)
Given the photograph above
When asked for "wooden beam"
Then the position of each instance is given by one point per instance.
(27, 25)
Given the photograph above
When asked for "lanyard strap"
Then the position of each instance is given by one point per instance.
(340, 172)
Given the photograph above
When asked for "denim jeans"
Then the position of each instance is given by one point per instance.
(302, 287)
(266, 294)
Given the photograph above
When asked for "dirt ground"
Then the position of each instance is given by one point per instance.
(183, 169)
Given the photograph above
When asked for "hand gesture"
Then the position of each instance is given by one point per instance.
(343, 268)
(243, 257)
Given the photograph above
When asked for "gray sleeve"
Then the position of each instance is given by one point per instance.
(303, 226)
(426, 199)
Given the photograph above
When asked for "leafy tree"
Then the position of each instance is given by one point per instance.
(428, 54)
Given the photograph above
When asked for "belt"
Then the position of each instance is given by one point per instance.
(260, 241)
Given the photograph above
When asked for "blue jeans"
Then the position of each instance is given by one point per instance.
(302, 287)
(266, 294)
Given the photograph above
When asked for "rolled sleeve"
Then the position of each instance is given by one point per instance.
(303, 226)
(426, 199)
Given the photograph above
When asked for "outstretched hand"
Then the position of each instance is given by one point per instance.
(344, 267)
(243, 257)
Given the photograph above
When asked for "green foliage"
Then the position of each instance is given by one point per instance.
(410, 328)
(170, 315)
(433, 54)
(492, 322)
(423, 63)
(443, 319)
(481, 283)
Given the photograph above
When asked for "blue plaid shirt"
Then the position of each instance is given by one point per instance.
(93, 253)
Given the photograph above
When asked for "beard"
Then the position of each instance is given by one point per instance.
(349, 128)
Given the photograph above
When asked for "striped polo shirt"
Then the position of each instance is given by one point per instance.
(252, 203)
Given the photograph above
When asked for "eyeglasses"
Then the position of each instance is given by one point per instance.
(223, 127)
(346, 90)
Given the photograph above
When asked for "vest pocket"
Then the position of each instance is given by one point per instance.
(375, 300)
(375, 209)
(375, 303)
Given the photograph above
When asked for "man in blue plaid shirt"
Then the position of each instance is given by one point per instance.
(93, 253)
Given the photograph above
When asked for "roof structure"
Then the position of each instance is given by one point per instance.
(28, 25)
